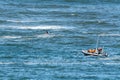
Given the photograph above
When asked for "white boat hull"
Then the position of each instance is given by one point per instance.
(86, 53)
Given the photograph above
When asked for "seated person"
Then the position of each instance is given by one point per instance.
(99, 50)
(91, 50)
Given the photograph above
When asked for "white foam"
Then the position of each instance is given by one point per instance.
(111, 63)
(43, 27)
(10, 37)
(49, 63)
(6, 63)
(109, 35)
(21, 21)
(111, 58)
(45, 36)
(31, 63)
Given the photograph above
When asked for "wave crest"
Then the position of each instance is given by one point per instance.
(10, 37)
(44, 27)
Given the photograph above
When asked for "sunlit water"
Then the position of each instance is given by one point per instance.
(28, 53)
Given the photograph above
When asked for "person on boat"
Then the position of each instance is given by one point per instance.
(91, 50)
(99, 50)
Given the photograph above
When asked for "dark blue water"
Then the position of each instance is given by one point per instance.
(27, 53)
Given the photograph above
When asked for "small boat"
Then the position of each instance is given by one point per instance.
(86, 53)
(95, 52)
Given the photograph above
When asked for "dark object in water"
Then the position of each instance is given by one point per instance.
(46, 32)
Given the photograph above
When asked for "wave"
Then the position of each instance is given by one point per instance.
(19, 21)
(114, 58)
(111, 63)
(43, 27)
(94, 1)
(109, 35)
(45, 36)
(10, 37)
(50, 63)
(80, 1)
(6, 63)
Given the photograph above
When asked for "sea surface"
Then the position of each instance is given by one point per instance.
(28, 53)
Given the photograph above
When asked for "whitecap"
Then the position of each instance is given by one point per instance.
(23, 21)
(111, 58)
(111, 63)
(31, 63)
(52, 27)
(10, 37)
(44, 27)
(45, 36)
(109, 35)
(6, 63)
(49, 63)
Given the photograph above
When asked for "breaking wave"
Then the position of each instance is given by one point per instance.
(45, 36)
(10, 37)
(39, 27)
(44, 27)
(19, 21)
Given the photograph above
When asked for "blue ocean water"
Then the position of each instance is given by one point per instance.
(27, 53)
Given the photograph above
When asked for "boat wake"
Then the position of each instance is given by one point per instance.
(113, 58)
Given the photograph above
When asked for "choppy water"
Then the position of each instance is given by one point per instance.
(26, 53)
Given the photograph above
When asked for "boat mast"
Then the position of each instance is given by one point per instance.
(97, 42)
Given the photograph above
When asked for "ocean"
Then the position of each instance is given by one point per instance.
(28, 53)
